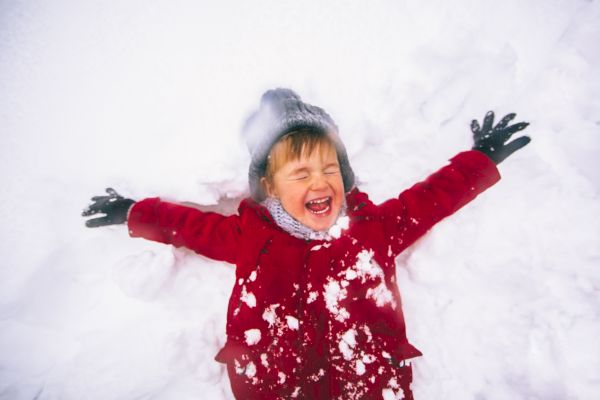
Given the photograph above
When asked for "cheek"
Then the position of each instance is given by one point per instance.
(292, 197)
(338, 185)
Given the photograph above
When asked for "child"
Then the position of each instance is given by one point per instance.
(315, 311)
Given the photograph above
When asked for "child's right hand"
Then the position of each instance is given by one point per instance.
(114, 206)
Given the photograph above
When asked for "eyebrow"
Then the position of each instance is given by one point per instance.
(306, 169)
(299, 169)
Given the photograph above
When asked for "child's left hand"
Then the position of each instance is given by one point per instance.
(492, 141)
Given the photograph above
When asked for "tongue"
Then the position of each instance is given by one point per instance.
(317, 206)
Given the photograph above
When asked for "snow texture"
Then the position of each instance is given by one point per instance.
(149, 98)
(292, 322)
(252, 336)
(333, 294)
(270, 315)
(248, 298)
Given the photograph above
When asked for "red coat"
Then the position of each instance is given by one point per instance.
(317, 319)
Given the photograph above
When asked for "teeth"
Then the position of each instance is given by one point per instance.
(318, 201)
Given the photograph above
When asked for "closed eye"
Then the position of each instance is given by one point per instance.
(299, 177)
(331, 169)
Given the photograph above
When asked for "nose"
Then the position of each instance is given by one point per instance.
(319, 182)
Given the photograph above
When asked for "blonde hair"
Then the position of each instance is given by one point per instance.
(292, 146)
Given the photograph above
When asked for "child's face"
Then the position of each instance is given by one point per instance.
(310, 188)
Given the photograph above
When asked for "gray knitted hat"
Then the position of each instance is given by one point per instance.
(282, 111)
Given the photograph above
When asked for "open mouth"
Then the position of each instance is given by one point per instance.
(319, 206)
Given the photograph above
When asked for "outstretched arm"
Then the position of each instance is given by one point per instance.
(416, 210)
(210, 234)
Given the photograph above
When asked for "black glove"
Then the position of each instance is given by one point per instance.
(114, 206)
(492, 141)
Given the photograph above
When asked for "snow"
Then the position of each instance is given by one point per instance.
(502, 297)
(360, 367)
(264, 361)
(333, 294)
(340, 225)
(393, 392)
(251, 370)
(347, 344)
(270, 315)
(312, 296)
(365, 267)
(252, 276)
(252, 336)
(248, 298)
(381, 294)
(292, 322)
(281, 377)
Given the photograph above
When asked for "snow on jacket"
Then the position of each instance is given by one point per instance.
(318, 319)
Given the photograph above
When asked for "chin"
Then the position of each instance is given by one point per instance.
(319, 227)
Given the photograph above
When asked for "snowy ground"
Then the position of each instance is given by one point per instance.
(149, 97)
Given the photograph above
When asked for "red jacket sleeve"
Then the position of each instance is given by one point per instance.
(210, 234)
(416, 210)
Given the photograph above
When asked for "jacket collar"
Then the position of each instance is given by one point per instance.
(355, 201)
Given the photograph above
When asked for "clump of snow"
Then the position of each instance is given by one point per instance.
(381, 294)
(333, 294)
(368, 358)
(347, 344)
(252, 276)
(292, 322)
(248, 298)
(270, 315)
(360, 367)
(296, 392)
(281, 377)
(312, 296)
(250, 370)
(351, 274)
(366, 266)
(342, 223)
(393, 391)
(252, 336)
(264, 361)
(389, 394)
(238, 367)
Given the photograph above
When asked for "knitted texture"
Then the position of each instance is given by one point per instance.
(282, 111)
(295, 228)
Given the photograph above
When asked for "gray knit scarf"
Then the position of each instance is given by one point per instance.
(295, 228)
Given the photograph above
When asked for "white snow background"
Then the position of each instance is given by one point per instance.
(149, 96)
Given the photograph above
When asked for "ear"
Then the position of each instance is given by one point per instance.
(268, 187)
